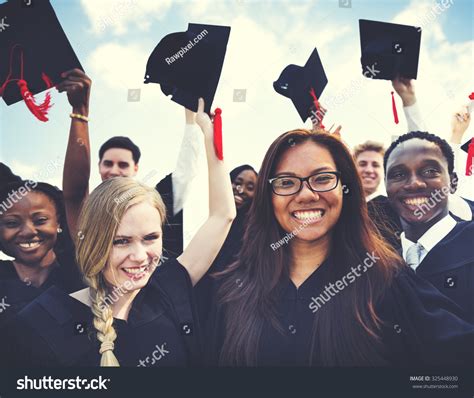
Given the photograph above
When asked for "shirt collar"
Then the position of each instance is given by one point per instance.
(432, 237)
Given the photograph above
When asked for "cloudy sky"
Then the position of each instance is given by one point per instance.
(114, 38)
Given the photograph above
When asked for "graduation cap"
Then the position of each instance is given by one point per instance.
(34, 51)
(389, 50)
(303, 85)
(188, 65)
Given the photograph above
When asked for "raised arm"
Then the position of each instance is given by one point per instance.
(77, 163)
(405, 88)
(205, 245)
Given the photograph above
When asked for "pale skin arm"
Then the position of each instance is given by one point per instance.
(205, 245)
(77, 163)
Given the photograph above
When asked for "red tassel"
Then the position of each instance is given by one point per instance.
(41, 110)
(317, 106)
(47, 80)
(394, 109)
(471, 97)
(470, 156)
(218, 134)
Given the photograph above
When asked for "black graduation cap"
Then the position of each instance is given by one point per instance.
(465, 146)
(389, 50)
(33, 47)
(297, 83)
(188, 65)
(470, 156)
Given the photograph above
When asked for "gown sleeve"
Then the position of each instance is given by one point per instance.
(423, 326)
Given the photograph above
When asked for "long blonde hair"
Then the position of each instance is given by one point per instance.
(98, 224)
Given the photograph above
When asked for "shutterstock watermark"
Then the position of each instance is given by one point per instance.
(51, 383)
(345, 94)
(333, 288)
(16, 195)
(432, 14)
(188, 47)
(157, 355)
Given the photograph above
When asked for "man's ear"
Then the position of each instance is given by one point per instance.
(454, 182)
(135, 168)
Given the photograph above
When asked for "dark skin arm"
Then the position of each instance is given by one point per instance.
(77, 164)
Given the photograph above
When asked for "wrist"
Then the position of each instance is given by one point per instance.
(409, 100)
(81, 110)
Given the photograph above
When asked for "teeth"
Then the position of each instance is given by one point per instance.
(135, 270)
(29, 245)
(308, 215)
(416, 201)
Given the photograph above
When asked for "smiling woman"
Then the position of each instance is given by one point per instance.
(134, 302)
(263, 310)
(30, 232)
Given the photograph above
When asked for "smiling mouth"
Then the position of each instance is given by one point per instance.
(308, 216)
(136, 272)
(30, 245)
(238, 199)
(417, 201)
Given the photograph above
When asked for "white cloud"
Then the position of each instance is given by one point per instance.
(119, 16)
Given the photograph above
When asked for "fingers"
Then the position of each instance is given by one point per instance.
(74, 72)
(69, 86)
(201, 106)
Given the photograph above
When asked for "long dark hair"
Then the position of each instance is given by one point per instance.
(345, 333)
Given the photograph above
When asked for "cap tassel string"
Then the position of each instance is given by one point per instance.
(39, 110)
(218, 134)
(317, 106)
(394, 109)
(470, 158)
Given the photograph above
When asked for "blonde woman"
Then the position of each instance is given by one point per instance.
(138, 309)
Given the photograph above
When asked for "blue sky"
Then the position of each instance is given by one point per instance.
(113, 40)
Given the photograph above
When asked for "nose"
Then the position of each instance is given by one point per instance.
(28, 230)
(138, 253)
(414, 183)
(306, 194)
(368, 169)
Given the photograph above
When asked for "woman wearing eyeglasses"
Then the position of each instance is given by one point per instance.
(315, 285)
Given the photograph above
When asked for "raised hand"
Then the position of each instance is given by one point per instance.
(459, 124)
(405, 89)
(204, 121)
(77, 85)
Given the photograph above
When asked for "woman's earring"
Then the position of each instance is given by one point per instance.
(59, 230)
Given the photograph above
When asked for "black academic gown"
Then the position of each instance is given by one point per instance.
(17, 293)
(421, 327)
(162, 330)
(173, 227)
(227, 255)
(449, 266)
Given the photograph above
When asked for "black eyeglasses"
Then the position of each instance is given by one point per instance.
(319, 182)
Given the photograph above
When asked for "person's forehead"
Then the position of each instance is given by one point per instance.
(302, 156)
(33, 201)
(370, 155)
(246, 175)
(118, 154)
(416, 151)
(140, 219)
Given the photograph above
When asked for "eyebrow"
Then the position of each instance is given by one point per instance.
(424, 163)
(289, 173)
(130, 237)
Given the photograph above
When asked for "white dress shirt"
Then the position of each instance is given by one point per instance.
(186, 165)
(430, 238)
